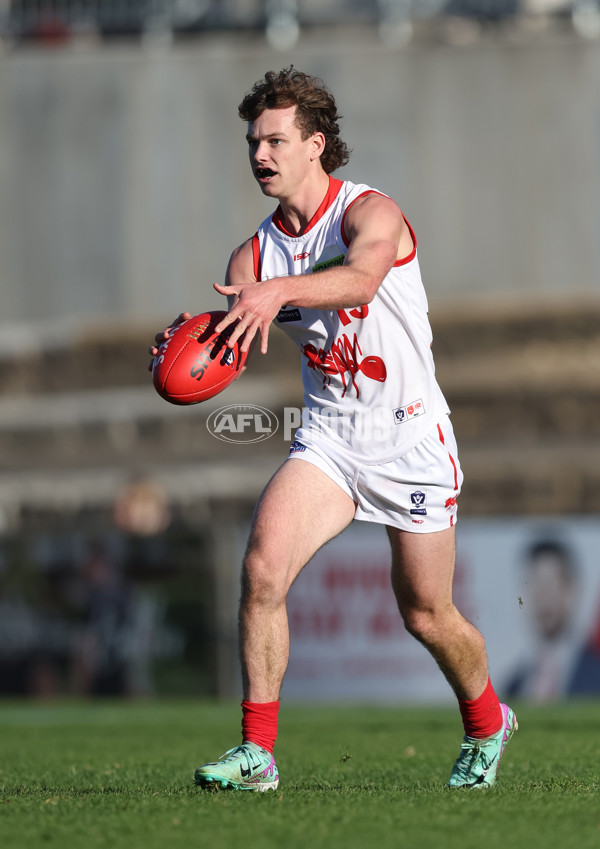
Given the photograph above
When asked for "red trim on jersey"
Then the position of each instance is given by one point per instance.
(398, 262)
(413, 253)
(349, 207)
(332, 192)
(256, 261)
(442, 440)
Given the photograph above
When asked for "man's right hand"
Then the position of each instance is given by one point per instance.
(163, 335)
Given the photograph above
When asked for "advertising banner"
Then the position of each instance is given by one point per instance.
(532, 587)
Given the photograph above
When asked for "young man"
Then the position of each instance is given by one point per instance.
(336, 267)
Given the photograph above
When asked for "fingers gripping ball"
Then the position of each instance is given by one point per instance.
(194, 363)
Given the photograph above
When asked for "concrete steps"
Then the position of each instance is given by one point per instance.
(523, 385)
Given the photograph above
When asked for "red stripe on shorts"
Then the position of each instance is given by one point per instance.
(443, 441)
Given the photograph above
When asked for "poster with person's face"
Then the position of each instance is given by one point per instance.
(531, 586)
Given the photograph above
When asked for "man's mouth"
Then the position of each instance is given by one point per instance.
(264, 173)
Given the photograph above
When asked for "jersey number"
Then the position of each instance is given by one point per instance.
(357, 312)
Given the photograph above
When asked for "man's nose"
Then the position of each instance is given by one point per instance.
(260, 152)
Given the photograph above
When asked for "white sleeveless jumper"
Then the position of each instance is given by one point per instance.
(368, 371)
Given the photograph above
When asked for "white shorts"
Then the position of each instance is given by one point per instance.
(417, 492)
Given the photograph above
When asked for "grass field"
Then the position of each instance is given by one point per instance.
(120, 775)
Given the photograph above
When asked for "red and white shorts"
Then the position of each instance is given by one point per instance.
(416, 492)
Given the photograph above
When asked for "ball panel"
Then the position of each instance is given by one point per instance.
(195, 363)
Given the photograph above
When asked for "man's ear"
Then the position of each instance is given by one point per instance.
(317, 141)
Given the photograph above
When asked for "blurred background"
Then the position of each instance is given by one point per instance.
(124, 186)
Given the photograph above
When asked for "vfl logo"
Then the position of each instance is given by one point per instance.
(418, 500)
(411, 411)
(242, 423)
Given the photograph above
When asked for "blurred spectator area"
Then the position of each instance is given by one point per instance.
(122, 517)
(55, 21)
(79, 421)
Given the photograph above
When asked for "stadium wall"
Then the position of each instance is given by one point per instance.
(124, 181)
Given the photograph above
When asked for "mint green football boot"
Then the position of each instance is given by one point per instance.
(479, 760)
(245, 767)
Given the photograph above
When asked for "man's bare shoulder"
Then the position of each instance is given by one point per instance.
(241, 264)
(374, 212)
(373, 203)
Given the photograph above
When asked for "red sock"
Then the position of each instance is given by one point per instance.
(481, 717)
(259, 723)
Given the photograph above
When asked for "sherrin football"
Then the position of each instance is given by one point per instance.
(195, 363)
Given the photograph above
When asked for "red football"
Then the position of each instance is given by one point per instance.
(195, 363)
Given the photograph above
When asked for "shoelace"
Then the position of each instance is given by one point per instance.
(470, 754)
(231, 754)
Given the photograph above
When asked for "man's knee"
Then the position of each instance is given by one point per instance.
(263, 579)
(427, 624)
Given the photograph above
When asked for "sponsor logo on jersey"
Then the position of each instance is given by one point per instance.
(298, 257)
(418, 499)
(410, 411)
(329, 263)
(296, 446)
(288, 314)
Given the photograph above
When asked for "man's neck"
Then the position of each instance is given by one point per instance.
(298, 210)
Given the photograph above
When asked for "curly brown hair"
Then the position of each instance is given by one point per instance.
(316, 110)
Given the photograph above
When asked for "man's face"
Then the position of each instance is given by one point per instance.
(552, 595)
(279, 158)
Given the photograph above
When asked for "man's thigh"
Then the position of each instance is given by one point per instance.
(300, 509)
(422, 568)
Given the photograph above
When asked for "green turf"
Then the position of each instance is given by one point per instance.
(120, 775)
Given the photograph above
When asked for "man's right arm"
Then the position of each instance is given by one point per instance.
(240, 269)
(240, 272)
